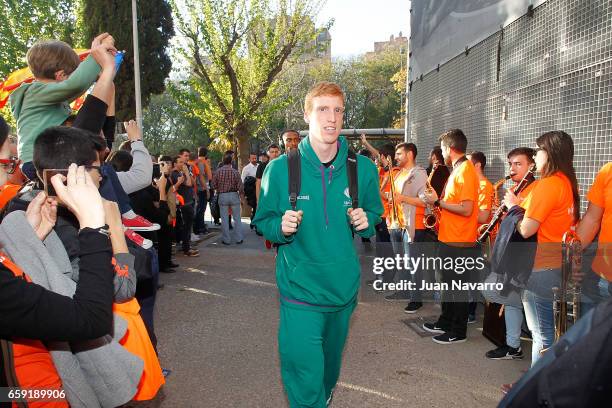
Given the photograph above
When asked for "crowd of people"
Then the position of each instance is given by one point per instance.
(85, 233)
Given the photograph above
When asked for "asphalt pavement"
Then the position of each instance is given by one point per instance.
(217, 320)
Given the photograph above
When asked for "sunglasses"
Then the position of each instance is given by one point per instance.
(10, 164)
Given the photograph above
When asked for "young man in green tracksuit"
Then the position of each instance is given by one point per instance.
(317, 268)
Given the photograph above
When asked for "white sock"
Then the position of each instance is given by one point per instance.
(129, 215)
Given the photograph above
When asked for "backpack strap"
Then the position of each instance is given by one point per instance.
(351, 167)
(295, 176)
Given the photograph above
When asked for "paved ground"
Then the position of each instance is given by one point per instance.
(217, 319)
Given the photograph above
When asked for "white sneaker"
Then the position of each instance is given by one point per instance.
(195, 237)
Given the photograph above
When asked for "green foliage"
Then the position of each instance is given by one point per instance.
(170, 126)
(155, 29)
(25, 22)
(371, 87)
(236, 50)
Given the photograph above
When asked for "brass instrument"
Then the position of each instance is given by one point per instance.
(431, 219)
(493, 224)
(566, 299)
(396, 218)
(495, 205)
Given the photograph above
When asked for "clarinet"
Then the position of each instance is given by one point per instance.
(525, 181)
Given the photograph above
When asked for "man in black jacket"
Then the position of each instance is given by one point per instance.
(29, 310)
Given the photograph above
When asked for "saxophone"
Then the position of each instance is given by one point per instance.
(566, 299)
(431, 220)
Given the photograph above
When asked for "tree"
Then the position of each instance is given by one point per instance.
(237, 49)
(25, 22)
(155, 29)
(371, 87)
(170, 126)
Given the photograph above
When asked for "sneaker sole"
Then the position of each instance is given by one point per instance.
(506, 357)
(143, 229)
(448, 342)
(412, 311)
(433, 330)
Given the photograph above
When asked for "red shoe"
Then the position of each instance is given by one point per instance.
(138, 239)
(139, 223)
(268, 244)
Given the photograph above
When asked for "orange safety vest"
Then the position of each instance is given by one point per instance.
(138, 342)
(34, 368)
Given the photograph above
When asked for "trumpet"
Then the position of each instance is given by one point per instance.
(566, 299)
(431, 219)
(486, 231)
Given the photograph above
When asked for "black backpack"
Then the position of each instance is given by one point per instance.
(295, 177)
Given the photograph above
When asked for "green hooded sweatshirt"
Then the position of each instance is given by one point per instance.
(318, 267)
(40, 105)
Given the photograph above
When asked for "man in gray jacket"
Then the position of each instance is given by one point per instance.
(409, 183)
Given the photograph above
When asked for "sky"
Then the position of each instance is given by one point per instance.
(359, 23)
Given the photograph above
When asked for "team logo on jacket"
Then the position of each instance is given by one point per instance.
(348, 195)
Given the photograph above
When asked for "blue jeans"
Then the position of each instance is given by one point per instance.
(401, 245)
(227, 201)
(112, 190)
(199, 226)
(514, 320)
(538, 304)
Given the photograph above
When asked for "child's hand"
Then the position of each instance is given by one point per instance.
(132, 130)
(103, 51)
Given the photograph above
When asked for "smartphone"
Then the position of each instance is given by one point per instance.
(156, 171)
(47, 174)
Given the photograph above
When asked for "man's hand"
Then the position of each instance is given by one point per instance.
(510, 200)
(80, 195)
(430, 196)
(291, 221)
(359, 219)
(363, 138)
(132, 130)
(42, 214)
(162, 182)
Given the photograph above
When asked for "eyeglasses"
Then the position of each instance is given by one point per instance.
(537, 149)
(10, 164)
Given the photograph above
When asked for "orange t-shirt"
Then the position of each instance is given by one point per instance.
(601, 195)
(551, 203)
(527, 190)
(485, 195)
(462, 185)
(382, 175)
(418, 220)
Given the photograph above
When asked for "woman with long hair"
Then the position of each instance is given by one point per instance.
(551, 209)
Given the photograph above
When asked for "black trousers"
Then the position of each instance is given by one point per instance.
(187, 215)
(455, 303)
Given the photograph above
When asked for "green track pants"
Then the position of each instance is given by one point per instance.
(310, 345)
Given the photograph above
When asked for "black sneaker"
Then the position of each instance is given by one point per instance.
(397, 297)
(505, 353)
(413, 307)
(448, 338)
(433, 328)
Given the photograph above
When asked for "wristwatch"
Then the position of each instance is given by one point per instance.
(437, 203)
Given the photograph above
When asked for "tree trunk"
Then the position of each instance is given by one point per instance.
(242, 135)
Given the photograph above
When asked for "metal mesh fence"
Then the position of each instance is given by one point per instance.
(549, 70)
